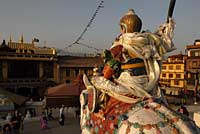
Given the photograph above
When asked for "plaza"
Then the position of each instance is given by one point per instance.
(71, 126)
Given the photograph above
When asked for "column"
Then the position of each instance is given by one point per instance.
(55, 72)
(5, 70)
(41, 70)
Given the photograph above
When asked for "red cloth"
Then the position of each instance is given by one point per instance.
(43, 123)
(108, 72)
(113, 110)
(117, 52)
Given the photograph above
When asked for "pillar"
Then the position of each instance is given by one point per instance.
(55, 72)
(5, 70)
(41, 70)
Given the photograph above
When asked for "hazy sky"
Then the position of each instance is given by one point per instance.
(60, 22)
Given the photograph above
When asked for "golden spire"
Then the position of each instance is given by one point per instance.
(22, 39)
(10, 39)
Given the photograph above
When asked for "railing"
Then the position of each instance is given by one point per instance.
(24, 82)
(8, 55)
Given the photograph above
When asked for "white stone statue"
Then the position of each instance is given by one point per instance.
(127, 98)
(28, 115)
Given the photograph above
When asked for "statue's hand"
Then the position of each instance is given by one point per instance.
(165, 29)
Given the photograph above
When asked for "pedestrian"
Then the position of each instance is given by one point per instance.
(43, 121)
(46, 112)
(62, 116)
(50, 117)
(7, 129)
(77, 112)
(183, 110)
(17, 122)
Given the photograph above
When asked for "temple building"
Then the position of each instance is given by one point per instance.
(26, 69)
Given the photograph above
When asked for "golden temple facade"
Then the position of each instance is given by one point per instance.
(26, 69)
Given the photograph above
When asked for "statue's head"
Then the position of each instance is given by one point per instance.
(130, 22)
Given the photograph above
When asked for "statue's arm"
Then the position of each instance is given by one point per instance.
(166, 32)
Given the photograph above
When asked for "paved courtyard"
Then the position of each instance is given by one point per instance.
(72, 124)
(71, 127)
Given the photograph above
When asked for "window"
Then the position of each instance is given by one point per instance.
(178, 67)
(164, 67)
(189, 75)
(170, 67)
(76, 72)
(67, 81)
(170, 75)
(163, 75)
(194, 64)
(197, 53)
(176, 82)
(178, 75)
(67, 72)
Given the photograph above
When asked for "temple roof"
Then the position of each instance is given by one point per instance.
(72, 61)
(63, 94)
(4, 47)
(64, 90)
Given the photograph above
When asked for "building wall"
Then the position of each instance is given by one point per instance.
(193, 65)
(173, 74)
(69, 74)
(188, 71)
(71, 67)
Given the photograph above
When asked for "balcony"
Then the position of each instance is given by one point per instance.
(27, 56)
(32, 83)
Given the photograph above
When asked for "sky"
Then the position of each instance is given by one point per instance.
(58, 23)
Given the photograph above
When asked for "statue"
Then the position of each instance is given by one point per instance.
(28, 115)
(125, 97)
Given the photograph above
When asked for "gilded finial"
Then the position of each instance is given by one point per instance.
(22, 39)
(130, 12)
(10, 39)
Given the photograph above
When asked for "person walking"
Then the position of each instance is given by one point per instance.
(62, 116)
(183, 110)
(17, 123)
(7, 129)
(43, 121)
(50, 115)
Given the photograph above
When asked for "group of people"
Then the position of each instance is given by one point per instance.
(15, 125)
(47, 115)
